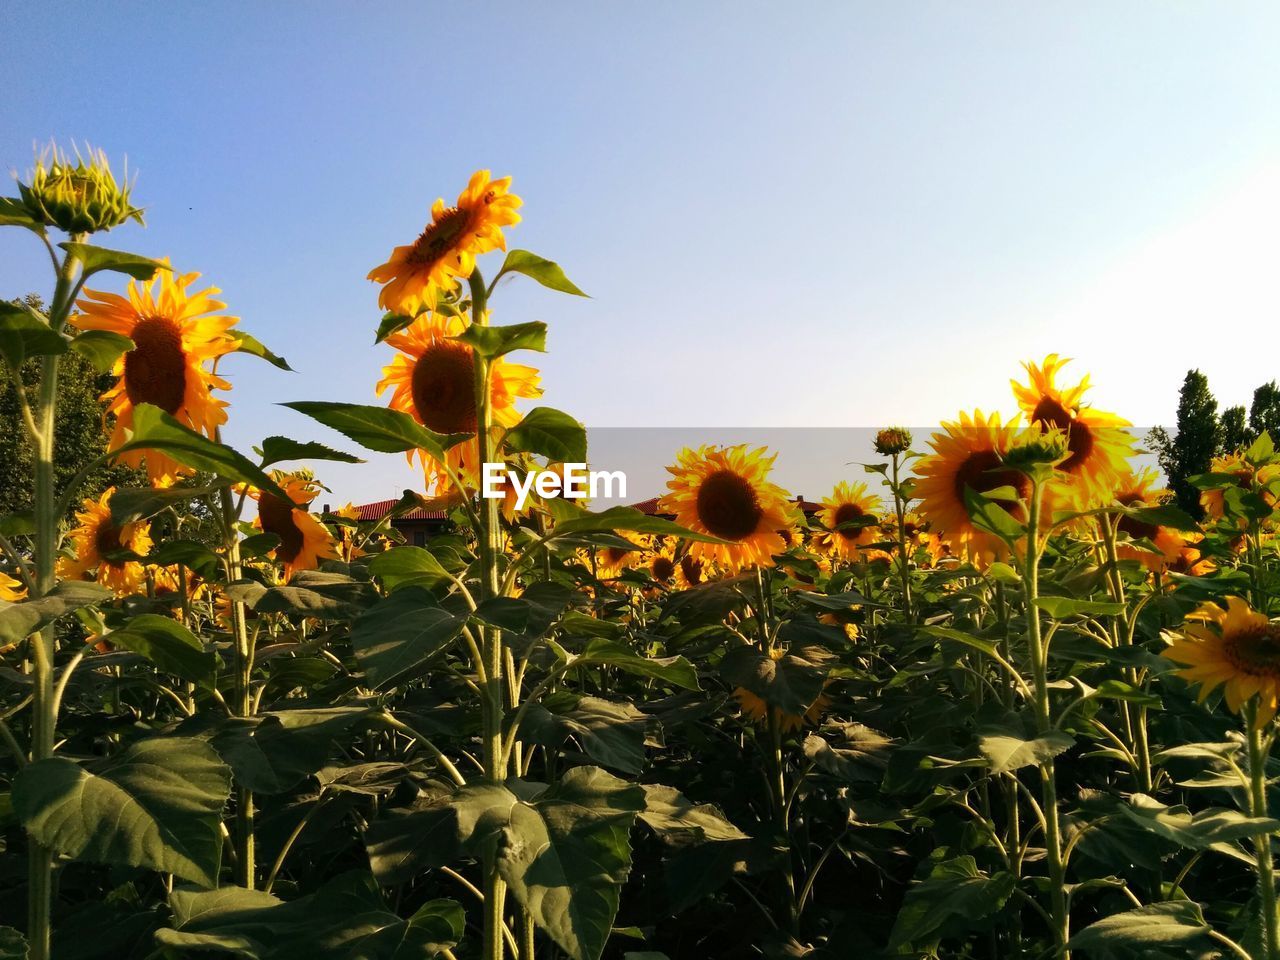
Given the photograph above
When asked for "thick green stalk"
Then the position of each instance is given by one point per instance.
(1262, 844)
(1135, 717)
(904, 568)
(44, 644)
(491, 652)
(1048, 778)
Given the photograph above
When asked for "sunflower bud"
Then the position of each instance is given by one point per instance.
(76, 198)
(893, 440)
(1038, 449)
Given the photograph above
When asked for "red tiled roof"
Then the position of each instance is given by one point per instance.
(379, 509)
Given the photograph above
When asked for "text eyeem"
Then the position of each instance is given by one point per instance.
(573, 482)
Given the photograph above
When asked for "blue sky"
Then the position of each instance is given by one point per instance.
(836, 214)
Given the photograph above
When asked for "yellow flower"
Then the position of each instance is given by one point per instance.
(1247, 477)
(95, 537)
(1136, 490)
(1098, 445)
(348, 550)
(756, 710)
(691, 571)
(304, 541)
(849, 503)
(725, 492)
(175, 336)
(11, 590)
(414, 275)
(611, 561)
(433, 380)
(969, 453)
(1237, 649)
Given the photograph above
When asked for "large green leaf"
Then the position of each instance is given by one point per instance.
(248, 343)
(311, 593)
(277, 449)
(676, 671)
(1007, 750)
(850, 751)
(401, 633)
(153, 429)
(19, 620)
(611, 734)
(954, 896)
(274, 752)
(170, 646)
(679, 821)
(102, 348)
(156, 804)
(493, 342)
(129, 503)
(546, 272)
(1197, 831)
(1146, 932)
(378, 428)
(400, 566)
(24, 335)
(576, 520)
(549, 433)
(96, 259)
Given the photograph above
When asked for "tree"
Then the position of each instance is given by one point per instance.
(1191, 449)
(1234, 431)
(1265, 412)
(80, 435)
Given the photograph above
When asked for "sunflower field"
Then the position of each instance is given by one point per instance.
(996, 698)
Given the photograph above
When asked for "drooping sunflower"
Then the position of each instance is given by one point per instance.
(847, 514)
(433, 380)
(11, 589)
(1099, 445)
(176, 335)
(969, 453)
(1247, 477)
(1237, 649)
(415, 274)
(1139, 490)
(756, 710)
(692, 571)
(725, 492)
(95, 537)
(304, 541)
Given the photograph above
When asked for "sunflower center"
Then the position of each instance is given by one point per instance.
(982, 471)
(1255, 651)
(443, 387)
(276, 516)
(106, 539)
(155, 370)
(1135, 528)
(1050, 413)
(440, 237)
(691, 567)
(847, 513)
(728, 506)
(662, 568)
(615, 555)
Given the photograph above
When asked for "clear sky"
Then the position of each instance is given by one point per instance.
(825, 214)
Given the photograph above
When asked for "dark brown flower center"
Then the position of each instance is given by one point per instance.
(276, 516)
(155, 370)
(615, 555)
(982, 471)
(1256, 651)
(728, 506)
(1135, 528)
(848, 513)
(691, 567)
(106, 539)
(662, 568)
(443, 387)
(1050, 413)
(440, 238)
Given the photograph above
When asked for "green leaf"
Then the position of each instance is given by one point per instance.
(1164, 515)
(1112, 689)
(157, 804)
(549, 433)
(546, 272)
(1060, 608)
(1198, 831)
(13, 213)
(679, 821)
(23, 335)
(272, 753)
(611, 734)
(954, 895)
(491, 342)
(1007, 751)
(791, 684)
(170, 646)
(277, 449)
(623, 518)
(391, 323)
(378, 428)
(400, 566)
(311, 593)
(248, 343)
(19, 620)
(96, 259)
(102, 348)
(854, 752)
(676, 671)
(401, 633)
(153, 429)
(959, 636)
(13, 945)
(990, 517)
(141, 503)
(1138, 933)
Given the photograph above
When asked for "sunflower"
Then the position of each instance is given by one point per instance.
(1237, 649)
(11, 590)
(414, 275)
(970, 453)
(95, 537)
(348, 549)
(1247, 477)
(847, 516)
(755, 709)
(1098, 445)
(662, 564)
(1136, 490)
(175, 336)
(304, 541)
(691, 571)
(725, 492)
(611, 561)
(433, 380)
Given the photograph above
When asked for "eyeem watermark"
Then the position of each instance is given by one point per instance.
(574, 483)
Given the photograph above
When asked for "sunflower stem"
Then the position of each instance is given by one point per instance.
(1262, 844)
(904, 569)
